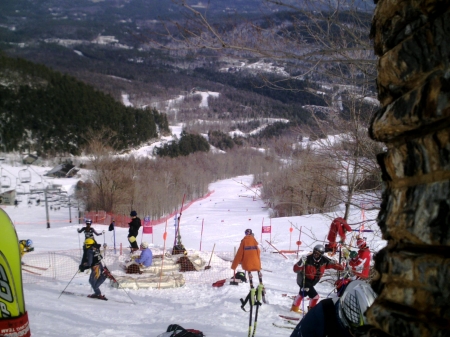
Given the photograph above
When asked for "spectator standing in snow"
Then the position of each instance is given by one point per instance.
(309, 272)
(248, 254)
(133, 231)
(340, 316)
(92, 259)
(360, 262)
(249, 257)
(340, 227)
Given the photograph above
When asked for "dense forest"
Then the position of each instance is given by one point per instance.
(49, 113)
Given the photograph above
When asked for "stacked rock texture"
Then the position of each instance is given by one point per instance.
(412, 41)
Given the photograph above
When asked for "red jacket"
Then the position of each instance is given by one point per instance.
(248, 255)
(361, 264)
(338, 226)
(314, 270)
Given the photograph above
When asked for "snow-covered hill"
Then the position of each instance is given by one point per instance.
(219, 220)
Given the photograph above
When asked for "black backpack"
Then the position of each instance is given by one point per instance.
(179, 331)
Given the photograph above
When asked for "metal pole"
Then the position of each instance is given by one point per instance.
(114, 233)
(70, 211)
(46, 208)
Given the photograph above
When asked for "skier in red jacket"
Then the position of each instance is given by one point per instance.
(360, 262)
(340, 227)
(309, 272)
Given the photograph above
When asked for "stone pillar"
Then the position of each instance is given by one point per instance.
(412, 40)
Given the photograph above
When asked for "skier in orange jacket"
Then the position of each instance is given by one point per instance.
(248, 254)
(249, 257)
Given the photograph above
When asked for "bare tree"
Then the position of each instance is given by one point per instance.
(110, 175)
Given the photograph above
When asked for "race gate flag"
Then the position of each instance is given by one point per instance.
(13, 316)
(266, 229)
(148, 229)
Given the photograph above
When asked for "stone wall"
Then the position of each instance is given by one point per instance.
(412, 40)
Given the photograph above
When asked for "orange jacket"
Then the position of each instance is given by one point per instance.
(248, 255)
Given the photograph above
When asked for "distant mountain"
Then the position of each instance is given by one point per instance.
(105, 44)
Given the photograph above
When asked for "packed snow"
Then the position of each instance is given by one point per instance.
(217, 221)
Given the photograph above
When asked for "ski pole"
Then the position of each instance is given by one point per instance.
(259, 296)
(68, 283)
(304, 281)
(104, 243)
(79, 242)
(252, 299)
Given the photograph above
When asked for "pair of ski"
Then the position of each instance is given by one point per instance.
(71, 293)
(290, 322)
(31, 271)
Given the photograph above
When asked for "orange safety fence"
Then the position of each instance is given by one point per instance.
(122, 220)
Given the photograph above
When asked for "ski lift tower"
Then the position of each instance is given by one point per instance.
(45, 191)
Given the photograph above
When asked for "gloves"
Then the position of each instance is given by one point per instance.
(353, 254)
(300, 263)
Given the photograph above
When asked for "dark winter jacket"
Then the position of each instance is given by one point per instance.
(322, 321)
(135, 224)
(314, 270)
(91, 257)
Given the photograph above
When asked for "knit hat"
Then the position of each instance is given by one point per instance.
(133, 213)
(144, 244)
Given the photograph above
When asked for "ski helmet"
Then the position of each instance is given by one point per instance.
(88, 222)
(29, 243)
(318, 251)
(248, 231)
(357, 298)
(89, 242)
(361, 243)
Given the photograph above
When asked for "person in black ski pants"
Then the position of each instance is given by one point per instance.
(88, 234)
(133, 232)
(92, 259)
(338, 317)
(88, 230)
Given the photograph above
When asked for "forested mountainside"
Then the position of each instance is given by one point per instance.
(107, 45)
(46, 112)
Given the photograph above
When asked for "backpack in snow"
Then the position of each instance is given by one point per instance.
(174, 330)
(241, 276)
